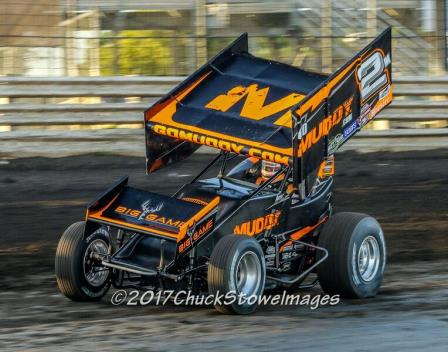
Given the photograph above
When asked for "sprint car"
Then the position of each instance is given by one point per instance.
(231, 229)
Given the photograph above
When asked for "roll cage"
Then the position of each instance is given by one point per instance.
(224, 157)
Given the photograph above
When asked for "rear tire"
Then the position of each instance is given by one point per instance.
(356, 256)
(78, 276)
(237, 267)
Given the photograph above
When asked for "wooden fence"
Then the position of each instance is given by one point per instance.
(76, 115)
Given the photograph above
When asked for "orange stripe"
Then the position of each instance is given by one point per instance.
(302, 232)
(103, 208)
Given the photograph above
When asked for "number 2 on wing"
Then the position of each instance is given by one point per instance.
(371, 75)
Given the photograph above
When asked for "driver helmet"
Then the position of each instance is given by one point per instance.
(269, 169)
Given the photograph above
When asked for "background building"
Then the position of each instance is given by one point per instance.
(172, 37)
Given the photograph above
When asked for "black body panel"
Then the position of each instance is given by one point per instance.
(146, 251)
(108, 195)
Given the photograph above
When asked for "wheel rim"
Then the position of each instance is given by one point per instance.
(368, 258)
(248, 274)
(95, 274)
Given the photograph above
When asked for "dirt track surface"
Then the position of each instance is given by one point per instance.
(406, 192)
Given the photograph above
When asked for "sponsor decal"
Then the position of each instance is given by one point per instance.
(350, 130)
(364, 116)
(325, 126)
(347, 119)
(334, 143)
(381, 104)
(199, 232)
(372, 74)
(151, 217)
(148, 208)
(384, 92)
(326, 168)
(258, 225)
(254, 106)
(220, 144)
(303, 130)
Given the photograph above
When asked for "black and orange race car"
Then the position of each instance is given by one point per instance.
(259, 215)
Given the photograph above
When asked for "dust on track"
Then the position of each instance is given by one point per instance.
(407, 192)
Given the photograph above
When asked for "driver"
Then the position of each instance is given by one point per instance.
(263, 170)
(268, 169)
(256, 171)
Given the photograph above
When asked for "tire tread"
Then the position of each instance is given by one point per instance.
(67, 265)
(335, 237)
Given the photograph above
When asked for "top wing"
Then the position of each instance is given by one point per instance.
(256, 107)
(238, 103)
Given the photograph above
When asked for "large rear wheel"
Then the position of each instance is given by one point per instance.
(356, 256)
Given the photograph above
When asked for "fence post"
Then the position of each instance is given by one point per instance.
(201, 32)
(371, 18)
(326, 33)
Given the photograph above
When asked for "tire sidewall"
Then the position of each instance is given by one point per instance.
(366, 227)
(242, 248)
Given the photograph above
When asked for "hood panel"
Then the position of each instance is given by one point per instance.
(151, 209)
(147, 211)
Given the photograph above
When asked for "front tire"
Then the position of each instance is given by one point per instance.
(79, 276)
(356, 256)
(237, 267)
